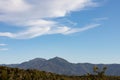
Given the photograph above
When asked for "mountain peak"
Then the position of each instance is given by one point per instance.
(38, 59)
(58, 59)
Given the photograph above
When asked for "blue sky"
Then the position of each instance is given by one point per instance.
(79, 31)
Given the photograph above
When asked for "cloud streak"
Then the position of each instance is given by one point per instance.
(38, 31)
(3, 49)
(35, 16)
(90, 26)
(3, 44)
(101, 19)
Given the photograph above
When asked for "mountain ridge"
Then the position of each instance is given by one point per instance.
(61, 66)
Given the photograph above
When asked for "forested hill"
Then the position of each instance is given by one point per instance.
(61, 66)
(7, 73)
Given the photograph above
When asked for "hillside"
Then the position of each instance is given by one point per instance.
(62, 66)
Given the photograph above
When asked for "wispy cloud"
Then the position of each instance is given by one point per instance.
(47, 29)
(3, 44)
(90, 26)
(35, 16)
(101, 19)
(3, 49)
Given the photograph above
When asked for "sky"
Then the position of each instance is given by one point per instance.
(79, 31)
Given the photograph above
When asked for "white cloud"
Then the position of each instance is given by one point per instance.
(6, 34)
(11, 6)
(33, 15)
(38, 9)
(3, 44)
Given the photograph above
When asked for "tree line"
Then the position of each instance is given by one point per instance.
(7, 73)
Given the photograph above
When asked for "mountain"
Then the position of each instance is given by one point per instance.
(62, 66)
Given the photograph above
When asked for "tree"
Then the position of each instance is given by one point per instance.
(4, 75)
(99, 72)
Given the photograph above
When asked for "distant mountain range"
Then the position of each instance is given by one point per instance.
(62, 66)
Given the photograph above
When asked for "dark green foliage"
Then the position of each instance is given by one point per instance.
(7, 73)
(99, 72)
